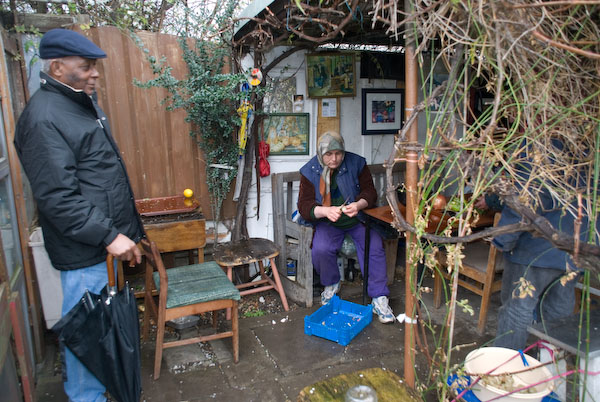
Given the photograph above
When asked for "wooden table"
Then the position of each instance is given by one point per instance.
(388, 386)
(247, 251)
(380, 219)
(383, 217)
(170, 232)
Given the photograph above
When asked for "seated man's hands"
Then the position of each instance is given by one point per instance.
(124, 249)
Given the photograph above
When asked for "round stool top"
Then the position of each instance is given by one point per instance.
(244, 251)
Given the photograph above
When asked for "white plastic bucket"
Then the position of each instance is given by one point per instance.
(516, 375)
(48, 279)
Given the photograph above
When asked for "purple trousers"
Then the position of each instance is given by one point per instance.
(328, 240)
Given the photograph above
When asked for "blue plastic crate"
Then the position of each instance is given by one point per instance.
(338, 320)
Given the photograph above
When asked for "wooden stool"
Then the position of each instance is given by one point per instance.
(233, 254)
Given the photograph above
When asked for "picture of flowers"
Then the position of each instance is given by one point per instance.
(287, 133)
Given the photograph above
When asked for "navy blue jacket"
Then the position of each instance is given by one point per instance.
(348, 181)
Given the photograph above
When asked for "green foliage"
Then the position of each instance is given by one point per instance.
(209, 95)
(254, 313)
(29, 44)
(150, 15)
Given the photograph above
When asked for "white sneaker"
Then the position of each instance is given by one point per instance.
(329, 292)
(381, 307)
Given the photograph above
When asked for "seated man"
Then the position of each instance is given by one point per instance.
(335, 186)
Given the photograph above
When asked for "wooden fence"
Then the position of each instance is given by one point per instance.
(161, 157)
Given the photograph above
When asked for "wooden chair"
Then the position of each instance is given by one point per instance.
(179, 235)
(173, 236)
(480, 273)
(183, 291)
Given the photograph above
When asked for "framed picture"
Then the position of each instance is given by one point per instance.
(382, 111)
(286, 133)
(280, 99)
(330, 75)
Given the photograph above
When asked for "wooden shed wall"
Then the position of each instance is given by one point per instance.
(161, 157)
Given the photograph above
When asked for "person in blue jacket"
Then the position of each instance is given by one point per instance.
(538, 281)
(335, 186)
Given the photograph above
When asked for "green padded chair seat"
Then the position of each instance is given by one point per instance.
(197, 283)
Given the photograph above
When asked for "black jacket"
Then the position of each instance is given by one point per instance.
(77, 176)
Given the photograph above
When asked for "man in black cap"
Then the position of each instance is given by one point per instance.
(85, 201)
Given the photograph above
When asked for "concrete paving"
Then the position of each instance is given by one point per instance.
(277, 359)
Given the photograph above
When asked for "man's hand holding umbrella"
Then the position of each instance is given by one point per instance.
(124, 249)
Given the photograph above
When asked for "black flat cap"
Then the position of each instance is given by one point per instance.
(58, 43)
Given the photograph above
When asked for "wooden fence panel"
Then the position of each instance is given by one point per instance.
(162, 158)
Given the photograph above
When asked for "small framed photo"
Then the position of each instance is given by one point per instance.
(287, 133)
(382, 111)
(330, 75)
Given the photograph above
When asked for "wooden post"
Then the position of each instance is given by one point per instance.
(22, 348)
(19, 200)
(411, 84)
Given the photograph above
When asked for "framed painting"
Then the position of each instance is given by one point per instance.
(382, 111)
(330, 75)
(287, 133)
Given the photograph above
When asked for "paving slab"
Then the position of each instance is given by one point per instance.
(255, 363)
(277, 360)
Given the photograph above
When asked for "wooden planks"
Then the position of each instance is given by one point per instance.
(178, 235)
(162, 158)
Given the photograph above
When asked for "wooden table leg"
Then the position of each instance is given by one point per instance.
(230, 276)
(366, 264)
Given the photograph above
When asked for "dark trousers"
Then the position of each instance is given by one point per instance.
(548, 300)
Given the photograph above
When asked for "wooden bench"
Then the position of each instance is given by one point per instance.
(294, 239)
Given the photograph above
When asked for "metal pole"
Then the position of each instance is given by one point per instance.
(411, 85)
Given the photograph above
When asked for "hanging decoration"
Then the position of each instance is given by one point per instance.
(256, 77)
(245, 112)
(264, 169)
(263, 164)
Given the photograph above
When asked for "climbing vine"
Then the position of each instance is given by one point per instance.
(210, 93)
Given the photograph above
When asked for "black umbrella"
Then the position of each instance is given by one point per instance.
(103, 332)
